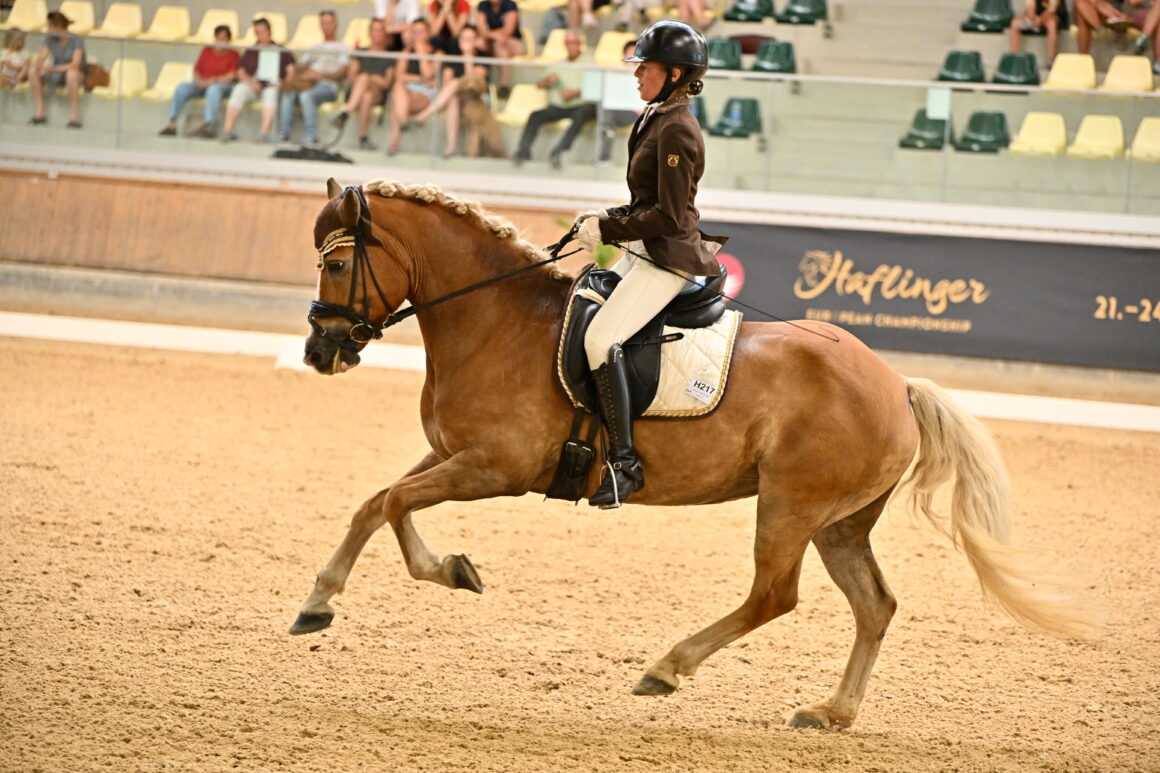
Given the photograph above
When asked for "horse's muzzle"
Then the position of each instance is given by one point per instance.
(324, 354)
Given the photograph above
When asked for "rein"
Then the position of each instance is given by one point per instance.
(363, 330)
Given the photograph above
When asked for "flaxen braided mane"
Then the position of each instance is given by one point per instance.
(472, 211)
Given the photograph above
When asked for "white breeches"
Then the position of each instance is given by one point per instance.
(643, 291)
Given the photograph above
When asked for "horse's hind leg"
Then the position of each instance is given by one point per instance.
(845, 550)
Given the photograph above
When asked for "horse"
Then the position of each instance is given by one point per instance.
(813, 423)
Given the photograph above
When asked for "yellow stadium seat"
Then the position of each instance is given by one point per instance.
(1146, 146)
(27, 15)
(122, 20)
(358, 33)
(1128, 73)
(529, 42)
(171, 22)
(554, 50)
(525, 99)
(172, 74)
(128, 78)
(307, 33)
(80, 13)
(1100, 137)
(215, 17)
(278, 28)
(610, 48)
(1041, 135)
(1072, 72)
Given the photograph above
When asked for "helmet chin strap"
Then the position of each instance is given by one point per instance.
(669, 87)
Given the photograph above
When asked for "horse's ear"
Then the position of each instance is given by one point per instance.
(350, 209)
(332, 188)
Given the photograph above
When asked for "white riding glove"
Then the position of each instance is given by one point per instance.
(588, 237)
(599, 214)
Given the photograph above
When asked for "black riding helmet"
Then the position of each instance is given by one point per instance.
(676, 44)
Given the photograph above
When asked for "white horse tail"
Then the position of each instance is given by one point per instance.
(954, 442)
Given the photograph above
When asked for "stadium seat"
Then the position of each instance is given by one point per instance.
(1146, 146)
(27, 15)
(1020, 69)
(529, 42)
(1072, 72)
(554, 50)
(775, 56)
(962, 67)
(358, 33)
(989, 16)
(278, 29)
(802, 12)
(924, 133)
(1100, 137)
(749, 10)
(172, 74)
(127, 78)
(724, 54)
(697, 108)
(610, 48)
(171, 22)
(525, 99)
(1128, 73)
(1040, 135)
(741, 117)
(986, 132)
(122, 20)
(80, 13)
(214, 17)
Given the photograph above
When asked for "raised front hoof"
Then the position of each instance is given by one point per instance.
(463, 574)
(311, 623)
(650, 685)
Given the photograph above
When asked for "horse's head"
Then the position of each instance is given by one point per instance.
(353, 301)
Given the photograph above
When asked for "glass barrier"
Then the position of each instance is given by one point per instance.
(763, 132)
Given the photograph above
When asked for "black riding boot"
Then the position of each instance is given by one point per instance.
(622, 472)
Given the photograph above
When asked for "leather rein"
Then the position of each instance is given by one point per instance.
(363, 329)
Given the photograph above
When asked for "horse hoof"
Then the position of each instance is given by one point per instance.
(650, 685)
(806, 721)
(463, 574)
(311, 623)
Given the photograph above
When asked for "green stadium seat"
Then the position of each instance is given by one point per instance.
(697, 108)
(741, 117)
(724, 54)
(925, 133)
(1019, 69)
(749, 10)
(962, 67)
(986, 132)
(989, 16)
(802, 12)
(775, 56)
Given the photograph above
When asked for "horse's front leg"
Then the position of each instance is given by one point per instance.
(430, 482)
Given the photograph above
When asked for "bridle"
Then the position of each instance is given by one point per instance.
(363, 329)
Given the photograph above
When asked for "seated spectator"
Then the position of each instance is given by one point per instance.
(214, 75)
(263, 69)
(370, 78)
(320, 71)
(448, 18)
(581, 13)
(616, 119)
(696, 13)
(13, 60)
(415, 78)
(564, 90)
(398, 16)
(448, 97)
(1040, 15)
(1091, 15)
(67, 69)
(498, 23)
(1148, 20)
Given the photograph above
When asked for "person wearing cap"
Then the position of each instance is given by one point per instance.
(67, 69)
(666, 158)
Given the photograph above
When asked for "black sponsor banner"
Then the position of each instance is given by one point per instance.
(1061, 303)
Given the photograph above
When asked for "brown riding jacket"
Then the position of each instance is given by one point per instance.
(666, 158)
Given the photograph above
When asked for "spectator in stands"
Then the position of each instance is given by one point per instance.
(214, 75)
(398, 16)
(1039, 15)
(414, 87)
(264, 67)
(1149, 23)
(616, 119)
(1091, 15)
(370, 78)
(13, 60)
(696, 13)
(498, 23)
(67, 69)
(448, 18)
(467, 46)
(581, 13)
(320, 71)
(564, 89)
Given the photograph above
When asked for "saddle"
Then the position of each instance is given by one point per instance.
(699, 305)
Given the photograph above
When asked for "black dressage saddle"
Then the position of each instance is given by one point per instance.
(700, 304)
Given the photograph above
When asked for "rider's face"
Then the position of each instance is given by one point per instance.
(650, 79)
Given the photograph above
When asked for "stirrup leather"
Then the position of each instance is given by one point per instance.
(623, 474)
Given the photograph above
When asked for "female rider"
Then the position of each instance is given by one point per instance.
(666, 159)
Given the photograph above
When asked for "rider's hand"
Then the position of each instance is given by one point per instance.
(599, 214)
(588, 237)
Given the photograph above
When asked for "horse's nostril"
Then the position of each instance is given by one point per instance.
(315, 358)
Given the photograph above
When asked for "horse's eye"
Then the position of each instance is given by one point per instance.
(335, 266)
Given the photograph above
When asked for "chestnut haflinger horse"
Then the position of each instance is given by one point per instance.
(818, 428)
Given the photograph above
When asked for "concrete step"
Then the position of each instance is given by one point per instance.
(899, 15)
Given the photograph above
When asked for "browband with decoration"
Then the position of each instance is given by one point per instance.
(343, 237)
